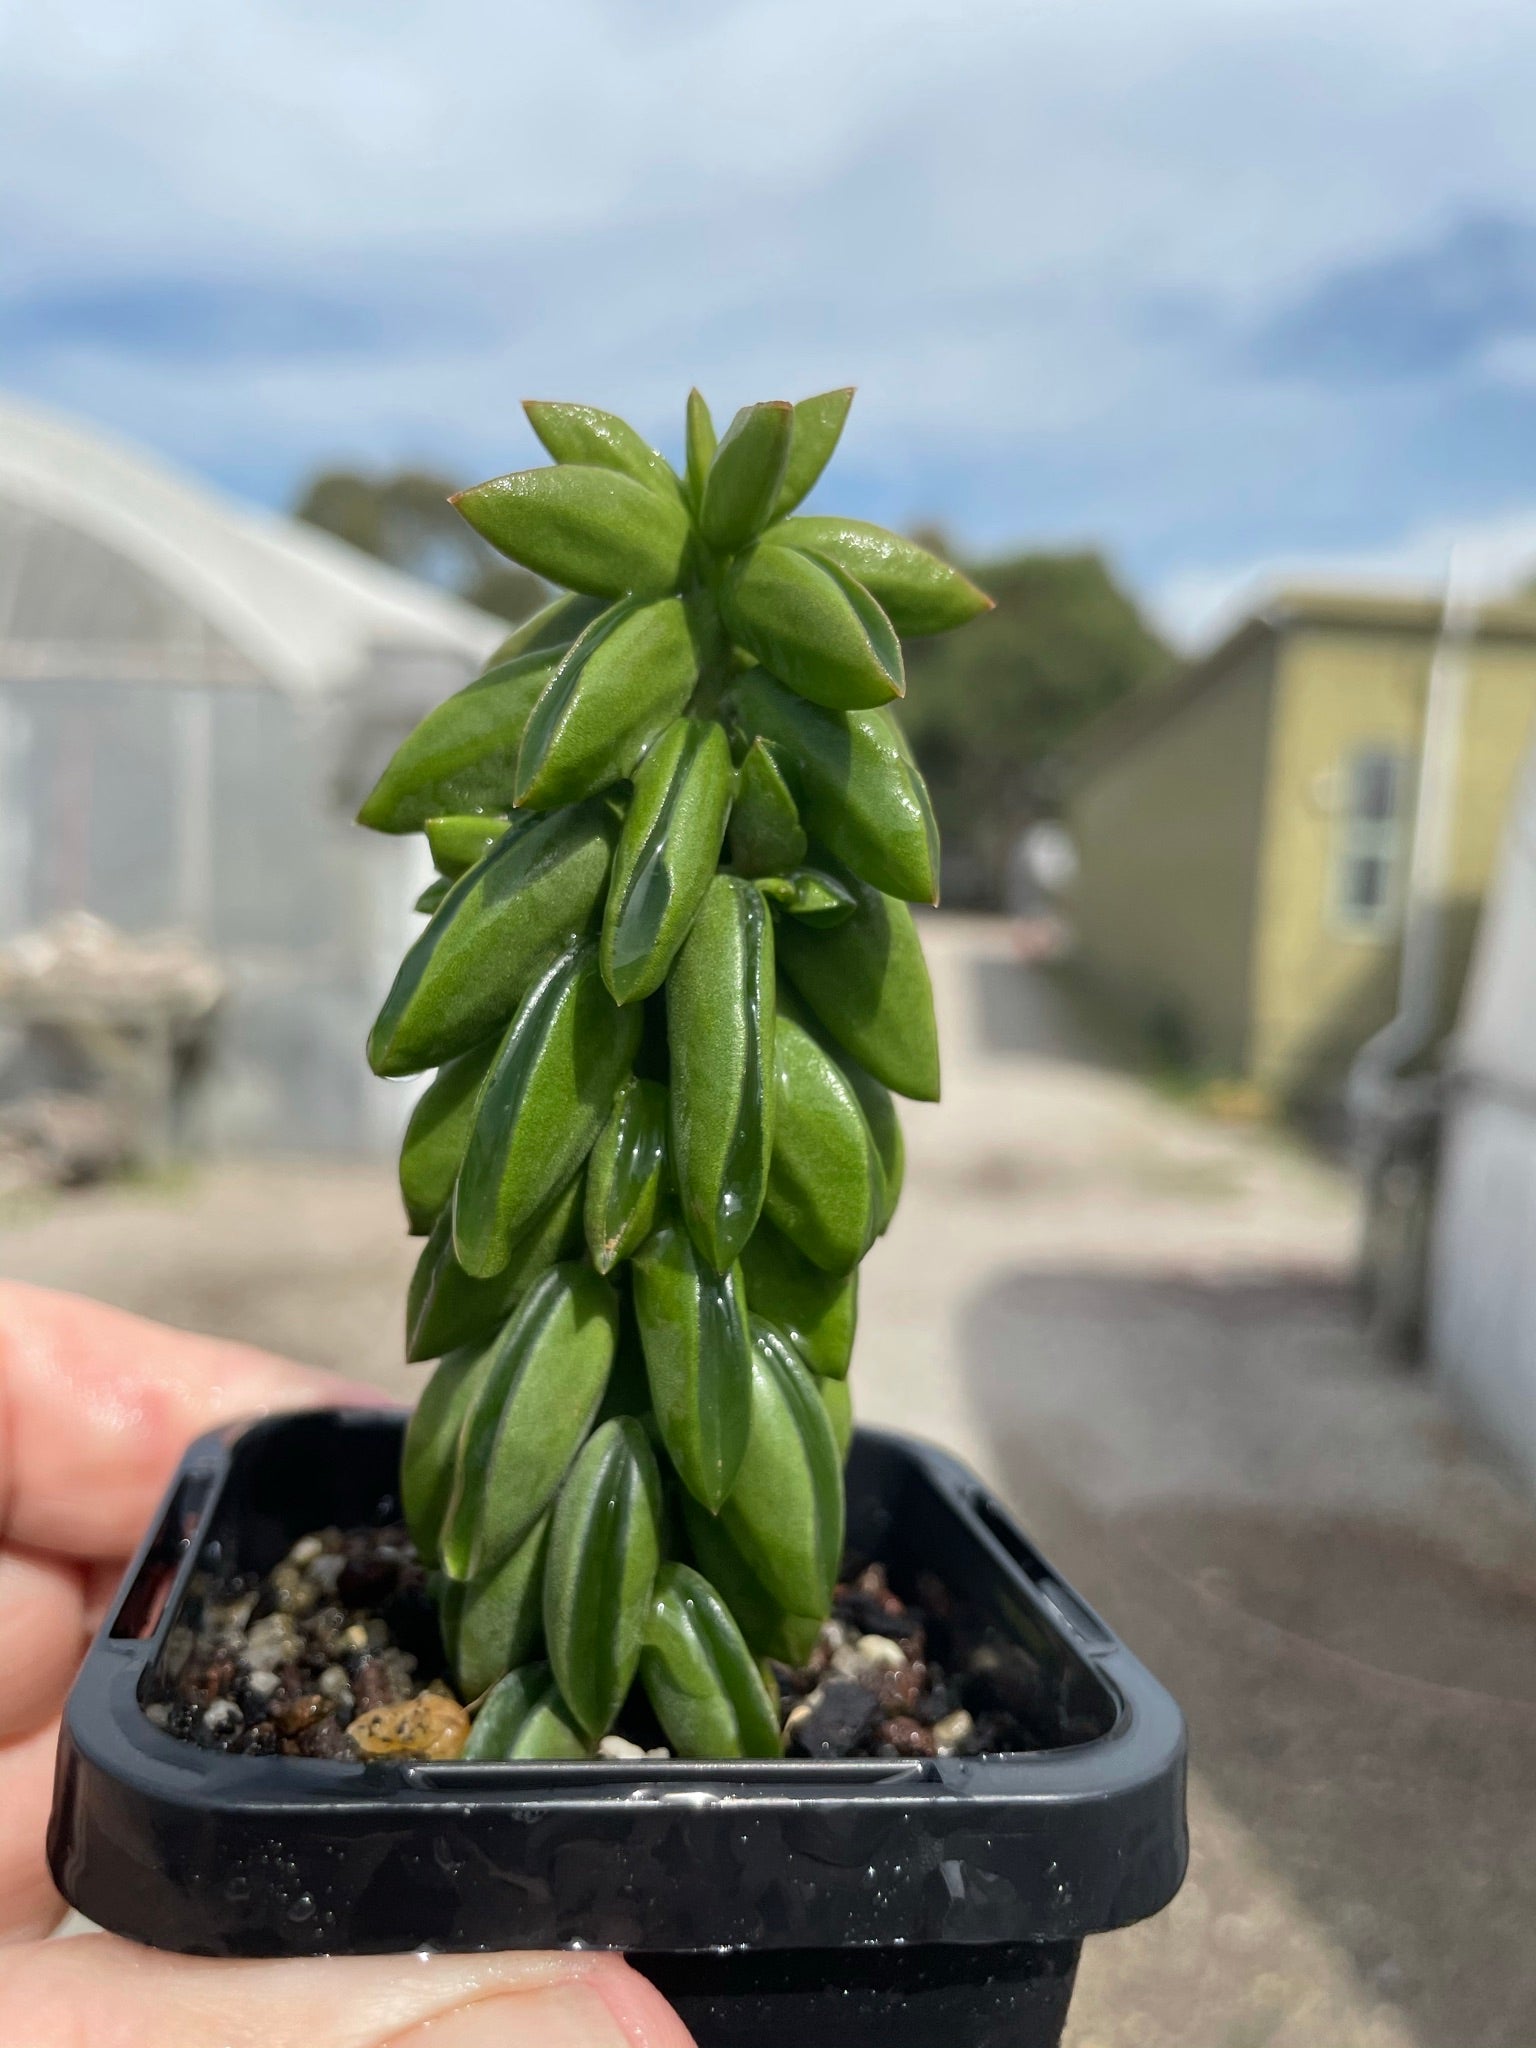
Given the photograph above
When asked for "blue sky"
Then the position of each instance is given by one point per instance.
(1225, 286)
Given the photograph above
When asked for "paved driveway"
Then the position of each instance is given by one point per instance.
(1138, 1324)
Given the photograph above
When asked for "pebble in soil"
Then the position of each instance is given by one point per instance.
(334, 1653)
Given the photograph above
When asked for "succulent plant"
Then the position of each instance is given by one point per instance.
(669, 980)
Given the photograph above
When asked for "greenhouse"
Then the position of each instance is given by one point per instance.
(193, 696)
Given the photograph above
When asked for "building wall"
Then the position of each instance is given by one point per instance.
(1482, 1279)
(1168, 838)
(1321, 984)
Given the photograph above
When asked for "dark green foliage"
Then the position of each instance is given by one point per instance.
(826, 1185)
(990, 711)
(669, 980)
(785, 1512)
(817, 1311)
(446, 1307)
(528, 1417)
(720, 1025)
(491, 1623)
(524, 1720)
(698, 1361)
(546, 1097)
(707, 1692)
(866, 982)
(468, 971)
(604, 1552)
(666, 855)
(626, 1174)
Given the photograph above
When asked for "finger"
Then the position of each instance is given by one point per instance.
(42, 1635)
(116, 1996)
(29, 1905)
(96, 1407)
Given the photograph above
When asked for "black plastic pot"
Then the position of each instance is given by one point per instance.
(903, 1903)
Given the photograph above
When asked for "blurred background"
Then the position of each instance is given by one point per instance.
(1205, 335)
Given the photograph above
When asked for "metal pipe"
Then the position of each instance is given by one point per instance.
(1412, 1028)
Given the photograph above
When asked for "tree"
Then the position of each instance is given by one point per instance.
(405, 519)
(990, 712)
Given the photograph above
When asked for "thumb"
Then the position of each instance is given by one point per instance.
(97, 1989)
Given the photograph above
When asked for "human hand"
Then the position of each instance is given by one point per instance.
(96, 1408)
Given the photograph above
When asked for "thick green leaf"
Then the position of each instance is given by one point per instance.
(463, 755)
(446, 1306)
(497, 1619)
(431, 1445)
(622, 684)
(693, 1325)
(532, 1410)
(524, 1720)
(433, 896)
(448, 1598)
(855, 782)
(550, 630)
(667, 851)
(700, 1677)
(496, 928)
(813, 627)
(433, 1148)
(604, 1550)
(593, 530)
(720, 1024)
(503, 1711)
(546, 1097)
(917, 591)
(826, 1185)
(745, 476)
(838, 1402)
(812, 896)
(583, 433)
(785, 1513)
(625, 1173)
(818, 428)
(550, 1734)
(817, 1311)
(701, 445)
(867, 983)
(765, 1626)
(767, 837)
(457, 843)
(885, 1128)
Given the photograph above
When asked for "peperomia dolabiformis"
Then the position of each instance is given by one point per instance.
(669, 980)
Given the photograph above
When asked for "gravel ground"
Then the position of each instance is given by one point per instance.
(1137, 1323)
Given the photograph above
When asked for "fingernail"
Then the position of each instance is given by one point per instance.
(558, 2016)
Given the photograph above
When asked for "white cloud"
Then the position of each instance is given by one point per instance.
(1035, 232)
(1489, 558)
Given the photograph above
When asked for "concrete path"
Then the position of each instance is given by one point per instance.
(1136, 1323)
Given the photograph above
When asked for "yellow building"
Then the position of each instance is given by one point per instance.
(1243, 838)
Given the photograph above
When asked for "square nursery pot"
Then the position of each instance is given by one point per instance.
(904, 1902)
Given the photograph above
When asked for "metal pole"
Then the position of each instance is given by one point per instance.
(1412, 1028)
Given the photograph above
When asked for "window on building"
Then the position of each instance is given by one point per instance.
(1369, 841)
